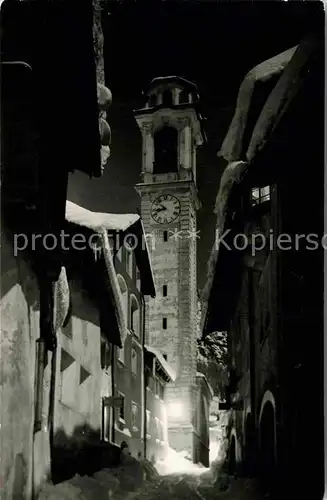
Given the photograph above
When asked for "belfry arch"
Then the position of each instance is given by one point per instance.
(165, 150)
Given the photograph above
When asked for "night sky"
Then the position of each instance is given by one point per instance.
(214, 45)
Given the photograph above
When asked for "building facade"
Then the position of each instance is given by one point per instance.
(34, 184)
(128, 375)
(268, 296)
(171, 131)
(158, 373)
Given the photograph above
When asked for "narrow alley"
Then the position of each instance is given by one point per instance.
(162, 250)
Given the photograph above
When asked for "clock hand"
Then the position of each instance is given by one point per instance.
(160, 209)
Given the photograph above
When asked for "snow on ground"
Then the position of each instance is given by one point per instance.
(178, 463)
(175, 478)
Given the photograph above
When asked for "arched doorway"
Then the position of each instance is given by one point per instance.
(267, 460)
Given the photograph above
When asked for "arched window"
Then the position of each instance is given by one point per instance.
(135, 316)
(130, 261)
(124, 294)
(166, 150)
(123, 291)
(167, 98)
(152, 100)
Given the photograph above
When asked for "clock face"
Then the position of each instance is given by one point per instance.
(165, 209)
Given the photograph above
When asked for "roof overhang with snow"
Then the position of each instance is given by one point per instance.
(124, 225)
(164, 365)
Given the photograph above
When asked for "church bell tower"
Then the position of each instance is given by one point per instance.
(171, 130)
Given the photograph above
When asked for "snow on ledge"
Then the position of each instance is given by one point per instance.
(165, 365)
(98, 220)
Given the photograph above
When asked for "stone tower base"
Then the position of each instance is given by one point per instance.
(181, 438)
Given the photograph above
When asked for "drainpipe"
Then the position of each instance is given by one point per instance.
(253, 450)
(47, 333)
(113, 393)
(251, 338)
(144, 429)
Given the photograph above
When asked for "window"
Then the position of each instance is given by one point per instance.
(161, 390)
(84, 333)
(183, 96)
(106, 350)
(67, 328)
(165, 236)
(162, 432)
(166, 150)
(152, 100)
(121, 407)
(138, 279)
(121, 354)
(130, 261)
(164, 323)
(119, 254)
(134, 361)
(148, 421)
(134, 417)
(105, 420)
(167, 98)
(260, 195)
(135, 316)
(164, 291)
(124, 295)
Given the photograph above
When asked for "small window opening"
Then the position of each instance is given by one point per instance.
(260, 195)
(167, 98)
(152, 100)
(165, 236)
(164, 323)
(164, 291)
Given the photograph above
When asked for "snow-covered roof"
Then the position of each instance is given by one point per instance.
(165, 365)
(98, 220)
(289, 68)
(231, 148)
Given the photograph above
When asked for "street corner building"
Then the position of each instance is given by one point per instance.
(119, 300)
(51, 125)
(134, 376)
(269, 298)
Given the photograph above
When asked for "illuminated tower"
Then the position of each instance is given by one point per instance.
(171, 132)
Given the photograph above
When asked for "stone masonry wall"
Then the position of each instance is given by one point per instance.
(174, 264)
